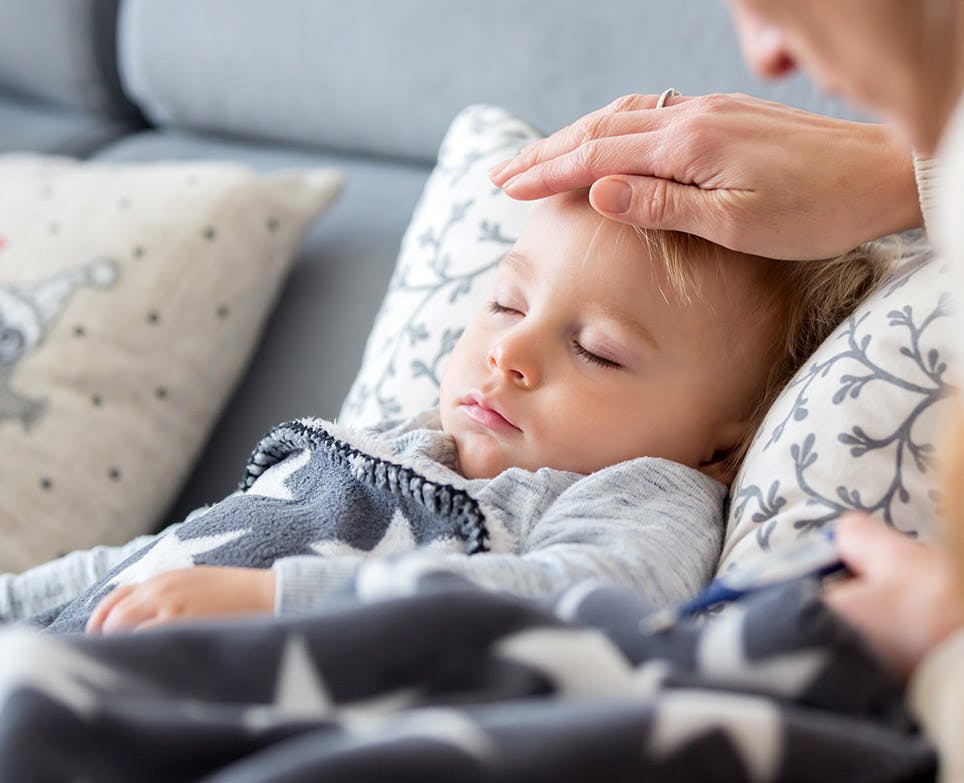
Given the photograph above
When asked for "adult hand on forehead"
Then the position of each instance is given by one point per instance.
(752, 175)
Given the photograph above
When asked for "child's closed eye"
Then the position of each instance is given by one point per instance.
(593, 358)
(496, 308)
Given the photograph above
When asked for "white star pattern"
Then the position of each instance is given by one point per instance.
(567, 607)
(441, 725)
(300, 692)
(380, 579)
(751, 725)
(271, 483)
(170, 552)
(721, 657)
(45, 664)
(397, 538)
(582, 663)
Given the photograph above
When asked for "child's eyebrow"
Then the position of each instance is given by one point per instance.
(518, 263)
(631, 323)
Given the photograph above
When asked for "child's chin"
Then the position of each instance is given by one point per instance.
(479, 459)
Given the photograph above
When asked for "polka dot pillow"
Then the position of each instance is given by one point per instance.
(856, 429)
(131, 297)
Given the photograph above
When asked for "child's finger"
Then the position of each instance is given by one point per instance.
(154, 622)
(128, 613)
(95, 623)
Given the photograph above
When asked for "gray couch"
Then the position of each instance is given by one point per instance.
(368, 87)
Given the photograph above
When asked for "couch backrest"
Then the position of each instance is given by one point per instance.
(331, 73)
(63, 52)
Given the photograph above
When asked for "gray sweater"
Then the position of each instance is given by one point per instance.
(648, 524)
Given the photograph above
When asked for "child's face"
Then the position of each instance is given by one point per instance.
(579, 362)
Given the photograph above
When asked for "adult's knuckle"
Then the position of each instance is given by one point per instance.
(630, 102)
(713, 103)
(655, 207)
(592, 157)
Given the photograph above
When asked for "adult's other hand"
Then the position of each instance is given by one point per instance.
(903, 596)
(752, 175)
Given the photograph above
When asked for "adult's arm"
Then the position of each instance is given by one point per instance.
(749, 174)
(907, 599)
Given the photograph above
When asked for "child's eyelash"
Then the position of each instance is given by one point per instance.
(590, 357)
(496, 308)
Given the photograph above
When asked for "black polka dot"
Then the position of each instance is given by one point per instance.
(96, 400)
(272, 224)
(79, 331)
(46, 484)
(153, 317)
(223, 311)
(139, 251)
(115, 474)
(160, 392)
(210, 233)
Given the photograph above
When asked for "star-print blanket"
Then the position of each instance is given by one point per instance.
(363, 498)
(437, 680)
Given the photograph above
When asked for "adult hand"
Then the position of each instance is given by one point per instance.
(903, 596)
(754, 176)
(203, 591)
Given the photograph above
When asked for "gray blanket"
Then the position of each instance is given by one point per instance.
(445, 682)
(334, 491)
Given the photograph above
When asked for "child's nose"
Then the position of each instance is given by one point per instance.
(518, 363)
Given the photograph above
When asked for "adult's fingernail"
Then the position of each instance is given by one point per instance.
(499, 167)
(613, 196)
(514, 180)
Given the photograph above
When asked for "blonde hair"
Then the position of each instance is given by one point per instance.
(808, 299)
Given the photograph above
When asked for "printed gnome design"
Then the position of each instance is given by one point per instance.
(26, 315)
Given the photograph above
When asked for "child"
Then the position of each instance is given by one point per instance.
(590, 417)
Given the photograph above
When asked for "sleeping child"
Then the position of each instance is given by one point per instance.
(590, 419)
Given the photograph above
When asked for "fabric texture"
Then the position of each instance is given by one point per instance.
(439, 681)
(130, 300)
(322, 504)
(317, 332)
(63, 53)
(239, 67)
(859, 427)
(936, 695)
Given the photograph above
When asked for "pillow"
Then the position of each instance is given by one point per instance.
(461, 227)
(131, 297)
(858, 427)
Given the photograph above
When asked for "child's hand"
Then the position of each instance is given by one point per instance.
(203, 591)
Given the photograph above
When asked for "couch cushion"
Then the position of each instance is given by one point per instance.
(359, 75)
(130, 299)
(64, 53)
(313, 343)
(29, 126)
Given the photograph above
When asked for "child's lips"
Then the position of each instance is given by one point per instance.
(488, 414)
